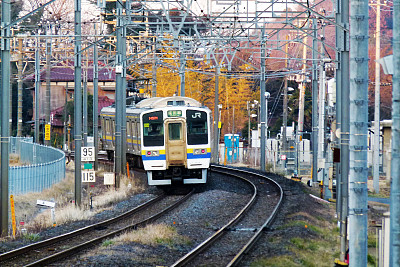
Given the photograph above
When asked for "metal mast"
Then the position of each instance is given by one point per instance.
(78, 103)
(118, 96)
(262, 99)
(5, 98)
(95, 100)
(377, 96)
(358, 170)
(314, 104)
(216, 118)
(395, 188)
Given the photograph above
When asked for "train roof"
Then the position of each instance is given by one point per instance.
(159, 102)
(155, 102)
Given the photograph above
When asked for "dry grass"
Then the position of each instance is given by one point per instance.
(150, 235)
(154, 234)
(37, 219)
(14, 160)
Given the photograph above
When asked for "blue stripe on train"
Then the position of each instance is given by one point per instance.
(199, 156)
(159, 157)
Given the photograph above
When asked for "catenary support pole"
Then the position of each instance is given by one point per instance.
(78, 103)
(395, 164)
(118, 95)
(47, 98)
(123, 94)
(262, 99)
(358, 169)
(5, 98)
(314, 104)
(182, 68)
(20, 84)
(37, 88)
(344, 126)
(85, 102)
(215, 151)
(95, 101)
(377, 97)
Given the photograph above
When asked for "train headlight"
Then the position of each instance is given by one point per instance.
(199, 151)
(152, 153)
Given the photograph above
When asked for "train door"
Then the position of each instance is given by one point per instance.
(175, 142)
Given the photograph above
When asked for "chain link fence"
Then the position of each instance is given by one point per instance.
(38, 167)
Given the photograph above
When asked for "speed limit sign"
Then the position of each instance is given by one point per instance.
(87, 153)
(88, 177)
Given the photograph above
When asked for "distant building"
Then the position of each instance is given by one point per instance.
(62, 84)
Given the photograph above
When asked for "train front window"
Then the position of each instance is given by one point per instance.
(174, 131)
(153, 130)
(197, 127)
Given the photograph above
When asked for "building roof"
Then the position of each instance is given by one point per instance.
(64, 72)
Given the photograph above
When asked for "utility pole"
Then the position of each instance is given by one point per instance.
(78, 102)
(124, 86)
(262, 98)
(358, 168)
(154, 72)
(95, 100)
(47, 101)
(5, 98)
(302, 88)
(182, 71)
(395, 188)
(215, 151)
(377, 97)
(314, 104)
(321, 120)
(285, 107)
(118, 96)
(20, 84)
(85, 101)
(37, 88)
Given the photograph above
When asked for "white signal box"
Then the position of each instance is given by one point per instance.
(109, 178)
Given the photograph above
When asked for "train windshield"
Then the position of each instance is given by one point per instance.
(153, 129)
(197, 127)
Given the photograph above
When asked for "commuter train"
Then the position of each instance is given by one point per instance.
(167, 136)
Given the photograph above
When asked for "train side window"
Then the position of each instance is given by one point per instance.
(133, 125)
(128, 128)
(108, 129)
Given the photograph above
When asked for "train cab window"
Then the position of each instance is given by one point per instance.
(175, 131)
(153, 129)
(197, 129)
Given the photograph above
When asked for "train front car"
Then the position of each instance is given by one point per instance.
(176, 142)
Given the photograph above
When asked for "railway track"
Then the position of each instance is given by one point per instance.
(59, 247)
(243, 230)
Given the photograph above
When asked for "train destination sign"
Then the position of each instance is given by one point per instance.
(174, 113)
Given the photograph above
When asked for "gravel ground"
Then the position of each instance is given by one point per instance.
(211, 207)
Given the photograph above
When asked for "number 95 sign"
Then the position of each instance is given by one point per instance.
(87, 153)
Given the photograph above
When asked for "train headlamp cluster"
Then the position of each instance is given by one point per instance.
(199, 151)
(152, 153)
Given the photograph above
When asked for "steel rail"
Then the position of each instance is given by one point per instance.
(79, 248)
(20, 251)
(209, 241)
(246, 248)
